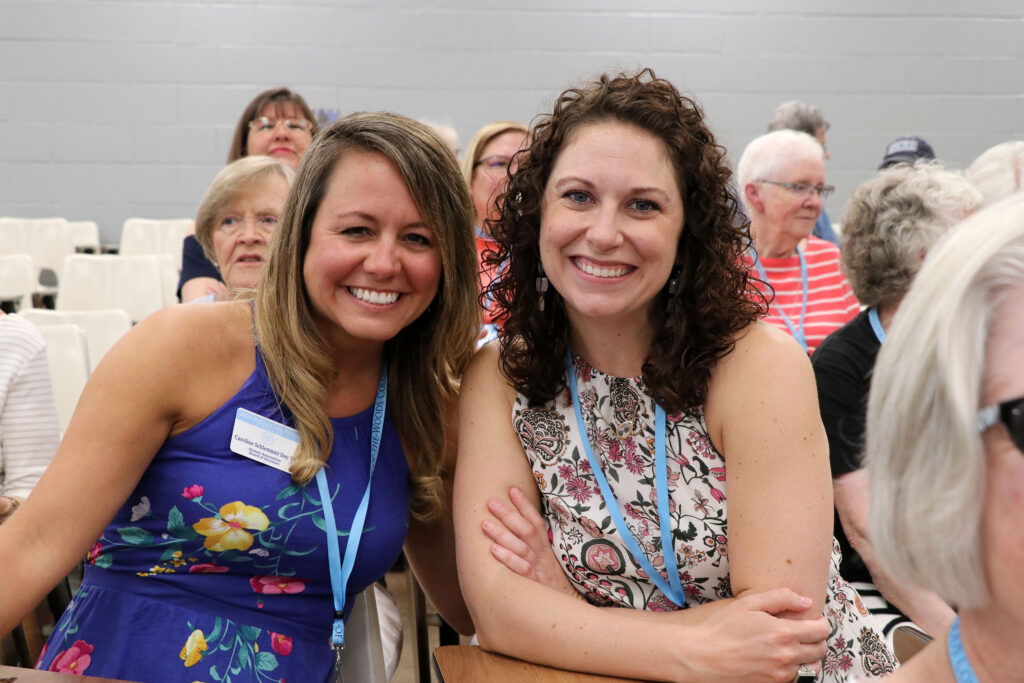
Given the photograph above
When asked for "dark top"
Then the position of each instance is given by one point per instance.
(842, 368)
(194, 263)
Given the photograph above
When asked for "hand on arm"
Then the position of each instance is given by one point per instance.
(925, 608)
(202, 286)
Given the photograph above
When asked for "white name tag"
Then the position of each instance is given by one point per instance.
(263, 440)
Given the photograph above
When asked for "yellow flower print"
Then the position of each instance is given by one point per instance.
(194, 648)
(229, 532)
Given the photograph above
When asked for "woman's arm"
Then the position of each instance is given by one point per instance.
(150, 385)
(762, 415)
(523, 618)
(430, 549)
(925, 608)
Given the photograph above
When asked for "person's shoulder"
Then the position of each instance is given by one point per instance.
(849, 337)
(204, 334)
(484, 370)
(820, 249)
(16, 330)
(761, 350)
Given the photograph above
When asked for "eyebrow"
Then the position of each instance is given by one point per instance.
(370, 218)
(569, 180)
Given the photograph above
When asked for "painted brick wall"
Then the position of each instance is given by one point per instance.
(112, 109)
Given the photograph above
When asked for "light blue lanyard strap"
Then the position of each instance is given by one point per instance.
(798, 333)
(341, 569)
(876, 325)
(673, 589)
(961, 666)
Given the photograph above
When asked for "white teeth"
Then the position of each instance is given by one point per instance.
(600, 271)
(373, 296)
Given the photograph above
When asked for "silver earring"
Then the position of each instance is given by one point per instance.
(541, 285)
(673, 282)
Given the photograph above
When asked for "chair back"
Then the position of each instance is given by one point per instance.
(102, 328)
(13, 239)
(17, 280)
(133, 283)
(85, 235)
(50, 242)
(152, 236)
(69, 367)
(364, 652)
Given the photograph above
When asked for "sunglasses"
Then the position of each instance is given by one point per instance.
(1010, 413)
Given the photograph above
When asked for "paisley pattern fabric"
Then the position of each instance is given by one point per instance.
(619, 418)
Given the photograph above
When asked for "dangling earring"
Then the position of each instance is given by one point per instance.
(541, 285)
(673, 281)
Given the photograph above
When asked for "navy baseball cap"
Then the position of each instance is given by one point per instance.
(906, 150)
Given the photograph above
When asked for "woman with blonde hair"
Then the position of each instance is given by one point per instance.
(219, 483)
(998, 172)
(945, 445)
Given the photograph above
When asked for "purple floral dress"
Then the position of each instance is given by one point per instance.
(215, 569)
(619, 417)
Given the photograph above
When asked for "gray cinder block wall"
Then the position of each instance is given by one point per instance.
(112, 109)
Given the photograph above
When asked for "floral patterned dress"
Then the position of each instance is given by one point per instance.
(216, 569)
(619, 418)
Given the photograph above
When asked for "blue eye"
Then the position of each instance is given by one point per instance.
(418, 238)
(577, 196)
(269, 220)
(644, 205)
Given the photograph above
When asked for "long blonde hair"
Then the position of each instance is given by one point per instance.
(426, 358)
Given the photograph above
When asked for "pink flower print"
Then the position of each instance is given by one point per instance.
(566, 471)
(277, 585)
(831, 664)
(845, 662)
(614, 450)
(281, 644)
(717, 495)
(207, 568)
(841, 643)
(578, 489)
(602, 558)
(633, 463)
(585, 467)
(700, 503)
(660, 603)
(193, 491)
(631, 511)
(94, 552)
(719, 473)
(74, 660)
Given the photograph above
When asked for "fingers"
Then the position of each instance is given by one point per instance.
(514, 562)
(515, 522)
(777, 601)
(503, 537)
(530, 513)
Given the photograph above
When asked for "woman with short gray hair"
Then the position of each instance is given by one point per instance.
(890, 224)
(945, 442)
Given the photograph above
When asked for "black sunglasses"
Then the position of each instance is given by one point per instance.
(1010, 413)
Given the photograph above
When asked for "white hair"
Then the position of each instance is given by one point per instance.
(766, 152)
(999, 171)
(924, 449)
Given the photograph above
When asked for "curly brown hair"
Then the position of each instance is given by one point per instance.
(715, 299)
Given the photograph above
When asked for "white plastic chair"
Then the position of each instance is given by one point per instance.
(152, 236)
(69, 367)
(49, 243)
(13, 239)
(17, 280)
(364, 654)
(132, 283)
(102, 328)
(85, 235)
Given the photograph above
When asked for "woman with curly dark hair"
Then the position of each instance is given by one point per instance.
(633, 386)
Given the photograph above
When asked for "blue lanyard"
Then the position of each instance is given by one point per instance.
(673, 590)
(876, 324)
(961, 666)
(798, 333)
(341, 570)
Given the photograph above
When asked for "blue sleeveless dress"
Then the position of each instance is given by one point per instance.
(215, 568)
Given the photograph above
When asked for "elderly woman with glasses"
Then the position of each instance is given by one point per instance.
(277, 123)
(890, 224)
(781, 179)
(946, 447)
(486, 169)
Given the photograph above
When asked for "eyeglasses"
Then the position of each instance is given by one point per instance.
(1010, 413)
(494, 164)
(803, 189)
(265, 125)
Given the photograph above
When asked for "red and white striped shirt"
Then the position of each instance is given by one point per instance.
(830, 300)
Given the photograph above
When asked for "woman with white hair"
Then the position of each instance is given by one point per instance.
(946, 446)
(781, 178)
(890, 224)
